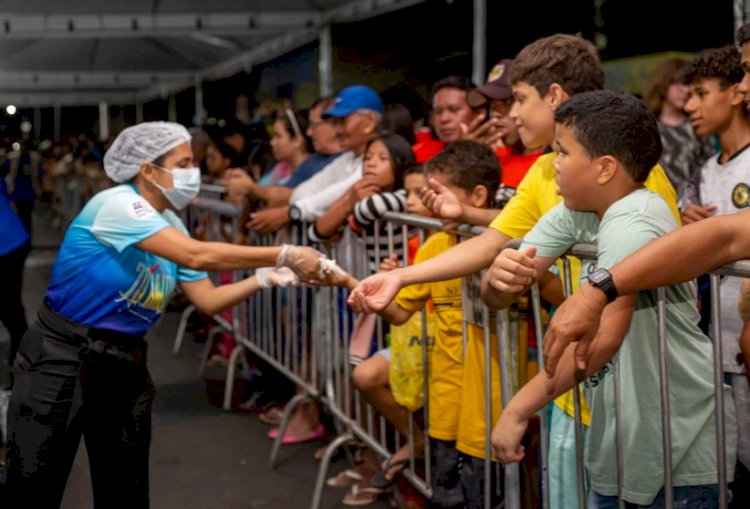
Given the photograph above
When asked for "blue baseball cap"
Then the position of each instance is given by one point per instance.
(351, 99)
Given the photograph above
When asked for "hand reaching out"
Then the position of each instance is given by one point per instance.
(441, 201)
(238, 183)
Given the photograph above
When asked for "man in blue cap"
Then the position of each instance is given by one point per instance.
(357, 114)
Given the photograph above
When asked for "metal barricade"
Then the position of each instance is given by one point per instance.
(737, 269)
(304, 334)
(356, 418)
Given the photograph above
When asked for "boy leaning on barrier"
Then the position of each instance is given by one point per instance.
(605, 144)
(544, 74)
(471, 171)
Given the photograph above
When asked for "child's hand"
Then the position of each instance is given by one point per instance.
(694, 213)
(389, 264)
(506, 438)
(441, 201)
(512, 271)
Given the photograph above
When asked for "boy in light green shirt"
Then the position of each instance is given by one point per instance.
(606, 142)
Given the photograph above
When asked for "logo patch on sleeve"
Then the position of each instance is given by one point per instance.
(140, 209)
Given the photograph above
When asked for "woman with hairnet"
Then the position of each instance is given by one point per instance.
(81, 369)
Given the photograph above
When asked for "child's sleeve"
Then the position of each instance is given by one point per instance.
(558, 230)
(373, 207)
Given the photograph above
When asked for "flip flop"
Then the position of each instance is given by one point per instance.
(318, 433)
(361, 496)
(345, 478)
(381, 481)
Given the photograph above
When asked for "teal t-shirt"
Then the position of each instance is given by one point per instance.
(627, 225)
(101, 278)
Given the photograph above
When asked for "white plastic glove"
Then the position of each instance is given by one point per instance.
(303, 260)
(270, 276)
(328, 264)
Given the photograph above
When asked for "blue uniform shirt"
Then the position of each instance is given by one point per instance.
(101, 279)
(12, 233)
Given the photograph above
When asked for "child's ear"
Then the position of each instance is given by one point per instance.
(738, 97)
(479, 197)
(556, 96)
(607, 170)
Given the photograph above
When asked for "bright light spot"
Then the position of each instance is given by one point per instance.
(26, 127)
(10, 109)
(16, 146)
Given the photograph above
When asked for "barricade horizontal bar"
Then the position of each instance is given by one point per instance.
(220, 207)
(213, 188)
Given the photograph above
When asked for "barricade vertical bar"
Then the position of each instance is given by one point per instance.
(309, 359)
(581, 484)
(512, 476)
(378, 321)
(349, 265)
(661, 298)
(487, 408)
(426, 390)
(618, 436)
(368, 408)
(721, 459)
(281, 354)
(543, 430)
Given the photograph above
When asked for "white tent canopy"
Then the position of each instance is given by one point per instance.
(127, 52)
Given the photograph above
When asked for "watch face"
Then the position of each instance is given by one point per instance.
(598, 276)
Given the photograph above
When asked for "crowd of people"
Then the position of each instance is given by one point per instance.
(540, 151)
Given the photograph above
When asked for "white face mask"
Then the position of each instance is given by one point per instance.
(186, 182)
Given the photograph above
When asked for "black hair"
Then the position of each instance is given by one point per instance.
(236, 159)
(287, 117)
(468, 164)
(721, 63)
(397, 119)
(616, 124)
(743, 34)
(460, 82)
(414, 170)
(402, 157)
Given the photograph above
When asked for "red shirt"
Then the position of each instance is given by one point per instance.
(515, 165)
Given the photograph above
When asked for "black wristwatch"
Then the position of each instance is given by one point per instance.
(602, 279)
(295, 214)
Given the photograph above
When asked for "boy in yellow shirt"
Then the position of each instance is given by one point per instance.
(544, 74)
(472, 172)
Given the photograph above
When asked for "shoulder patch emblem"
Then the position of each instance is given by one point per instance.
(140, 209)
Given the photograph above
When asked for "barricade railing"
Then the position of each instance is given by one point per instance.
(304, 333)
(736, 269)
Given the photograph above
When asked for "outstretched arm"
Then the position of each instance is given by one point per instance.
(509, 430)
(472, 255)
(681, 255)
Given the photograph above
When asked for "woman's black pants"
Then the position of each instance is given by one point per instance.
(71, 382)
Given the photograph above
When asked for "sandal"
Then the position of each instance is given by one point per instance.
(359, 496)
(345, 478)
(381, 481)
(272, 416)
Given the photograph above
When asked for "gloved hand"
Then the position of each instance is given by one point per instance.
(331, 265)
(270, 276)
(303, 260)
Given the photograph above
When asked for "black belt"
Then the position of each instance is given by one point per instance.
(122, 346)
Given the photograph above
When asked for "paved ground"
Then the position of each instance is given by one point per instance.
(201, 456)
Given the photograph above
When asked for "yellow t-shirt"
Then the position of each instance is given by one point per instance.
(535, 196)
(446, 361)
(471, 430)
